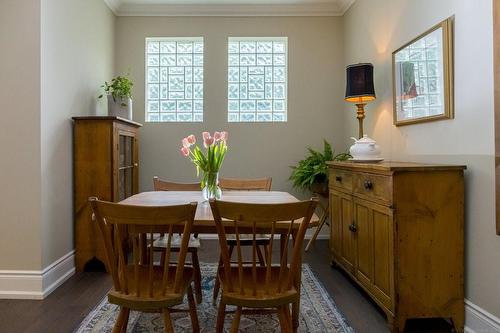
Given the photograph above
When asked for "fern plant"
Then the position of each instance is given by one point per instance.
(313, 169)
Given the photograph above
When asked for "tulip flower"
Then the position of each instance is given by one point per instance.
(205, 135)
(185, 151)
(224, 136)
(208, 142)
(186, 143)
(191, 139)
(217, 136)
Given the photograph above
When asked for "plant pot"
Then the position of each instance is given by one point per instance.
(320, 188)
(120, 107)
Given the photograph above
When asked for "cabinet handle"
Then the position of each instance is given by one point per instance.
(136, 165)
(353, 227)
(368, 185)
(338, 178)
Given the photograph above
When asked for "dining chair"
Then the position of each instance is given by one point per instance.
(244, 184)
(251, 287)
(159, 244)
(143, 285)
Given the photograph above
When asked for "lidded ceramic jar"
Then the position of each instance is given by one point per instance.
(365, 149)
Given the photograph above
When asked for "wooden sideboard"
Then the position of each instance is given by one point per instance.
(398, 230)
(106, 165)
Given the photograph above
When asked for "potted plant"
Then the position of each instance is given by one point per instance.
(311, 173)
(119, 92)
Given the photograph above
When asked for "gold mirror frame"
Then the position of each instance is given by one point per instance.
(447, 60)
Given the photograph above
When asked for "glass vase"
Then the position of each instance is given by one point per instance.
(211, 189)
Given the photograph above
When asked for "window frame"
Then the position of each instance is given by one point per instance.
(257, 39)
(146, 80)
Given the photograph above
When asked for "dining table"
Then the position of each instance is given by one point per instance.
(204, 220)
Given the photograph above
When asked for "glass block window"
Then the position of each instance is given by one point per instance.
(257, 79)
(174, 79)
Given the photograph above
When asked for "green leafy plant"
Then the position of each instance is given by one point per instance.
(119, 87)
(313, 169)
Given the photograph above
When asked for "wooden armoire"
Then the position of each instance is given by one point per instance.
(398, 230)
(106, 165)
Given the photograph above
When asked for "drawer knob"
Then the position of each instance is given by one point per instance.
(368, 185)
(353, 227)
(338, 178)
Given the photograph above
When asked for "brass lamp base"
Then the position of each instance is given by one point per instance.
(360, 115)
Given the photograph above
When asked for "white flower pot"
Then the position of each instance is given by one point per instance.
(120, 107)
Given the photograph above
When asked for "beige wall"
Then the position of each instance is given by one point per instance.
(256, 149)
(373, 29)
(20, 135)
(77, 57)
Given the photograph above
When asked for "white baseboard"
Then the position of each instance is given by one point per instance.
(25, 284)
(478, 320)
(215, 236)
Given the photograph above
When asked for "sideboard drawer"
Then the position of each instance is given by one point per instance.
(341, 179)
(372, 186)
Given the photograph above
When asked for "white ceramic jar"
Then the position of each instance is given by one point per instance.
(365, 149)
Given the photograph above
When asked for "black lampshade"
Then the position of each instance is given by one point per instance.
(359, 87)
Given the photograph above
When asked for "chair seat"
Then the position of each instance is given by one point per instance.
(157, 299)
(162, 241)
(263, 298)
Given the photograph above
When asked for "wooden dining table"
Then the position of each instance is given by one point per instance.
(204, 220)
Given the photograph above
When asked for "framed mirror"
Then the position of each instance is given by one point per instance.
(423, 77)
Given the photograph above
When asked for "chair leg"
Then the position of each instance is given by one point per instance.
(121, 321)
(284, 323)
(197, 276)
(125, 321)
(169, 328)
(192, 310)
(288, 316)
(221, 314)
(260, 256)
(236, 321)
(217, 282)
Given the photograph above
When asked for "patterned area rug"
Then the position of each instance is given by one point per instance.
(318, 313)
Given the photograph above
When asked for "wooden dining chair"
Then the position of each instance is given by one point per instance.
(163, 185)
(194, 243)
(251, 286)
(244, 184)
(139, 284)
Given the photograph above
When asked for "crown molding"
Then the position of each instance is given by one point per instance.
(345, 5)
(114, 5)
(312, 9)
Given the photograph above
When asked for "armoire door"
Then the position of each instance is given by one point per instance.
(126, 170)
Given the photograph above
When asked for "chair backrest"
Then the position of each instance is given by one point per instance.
(163, 185)
(242, 184)
(124, 224)
(252, 219)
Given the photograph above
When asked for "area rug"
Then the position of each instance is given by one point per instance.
(318, 313)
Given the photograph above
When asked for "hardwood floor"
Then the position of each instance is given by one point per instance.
(66, 307)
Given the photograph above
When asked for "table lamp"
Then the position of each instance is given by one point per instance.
(359, 89)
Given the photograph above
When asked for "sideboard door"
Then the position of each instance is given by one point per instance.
(342, 223)
(375, 253)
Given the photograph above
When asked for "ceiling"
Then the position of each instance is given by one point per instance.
(229, 7)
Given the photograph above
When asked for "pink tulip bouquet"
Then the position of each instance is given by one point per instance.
(209, 162)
